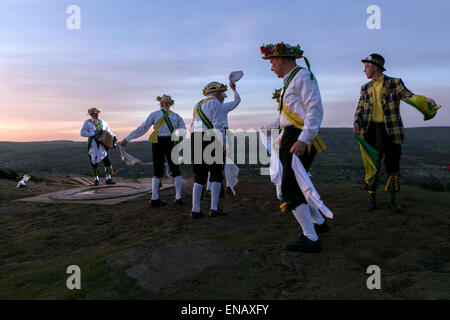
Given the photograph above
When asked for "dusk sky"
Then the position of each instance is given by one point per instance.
(129, 52)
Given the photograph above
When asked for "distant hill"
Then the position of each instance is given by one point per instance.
(425, 154)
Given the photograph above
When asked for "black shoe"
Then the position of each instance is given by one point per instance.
(158, 203)
(395, 206)
(110, 181)
(96, 182)
(372, 201)
(217, 213)
(178, 201)
(304, 245)
(321, 228)
(196, 215)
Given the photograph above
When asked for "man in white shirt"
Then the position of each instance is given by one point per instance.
(164, 122)
(209, 114)
(301, 114)
(97, 151)
(223, 123)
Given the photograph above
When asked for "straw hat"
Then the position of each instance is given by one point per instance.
(165, 100)
(213, 87)
(94, 110)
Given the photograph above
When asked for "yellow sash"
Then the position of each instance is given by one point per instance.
(195, 109)
(298, 122)
(154, 136)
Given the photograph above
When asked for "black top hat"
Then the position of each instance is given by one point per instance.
(375, 59)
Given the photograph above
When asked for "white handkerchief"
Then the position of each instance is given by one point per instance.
(235, 76)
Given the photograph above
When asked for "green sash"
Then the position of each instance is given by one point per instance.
(99, 125)
(203, 117)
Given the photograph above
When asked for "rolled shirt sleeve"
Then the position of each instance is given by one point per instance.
(309, 91)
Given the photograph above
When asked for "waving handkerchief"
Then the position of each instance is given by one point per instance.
(235, 76)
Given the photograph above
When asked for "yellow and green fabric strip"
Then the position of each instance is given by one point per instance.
(203, 117)
(420, 103)
(298, 122)
(370, 159)
(154, 136)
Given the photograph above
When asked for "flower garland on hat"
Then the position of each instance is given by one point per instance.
(282, 49)
(276, 94)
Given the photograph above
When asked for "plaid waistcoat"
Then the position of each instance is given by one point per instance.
(393, 91)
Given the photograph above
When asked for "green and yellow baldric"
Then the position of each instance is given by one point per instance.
(198, 111)
(164, 119)
(99, 125)
(295, 120)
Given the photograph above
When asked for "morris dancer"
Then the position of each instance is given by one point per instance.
(97, 152)
(231, 169)
(208, 114)
(301, 114)
(378, 121)
(164, 122)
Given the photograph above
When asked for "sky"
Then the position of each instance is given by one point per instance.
(127, 53)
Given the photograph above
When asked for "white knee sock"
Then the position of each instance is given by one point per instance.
(278, 187)
(178, 185)
(196, 195)
(155, 186)
(215, 193)
(315, 215)
(303, 216)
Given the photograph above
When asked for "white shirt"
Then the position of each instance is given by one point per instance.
(88, 129)
(227, 108)
(303, 98)
(97, 152)
(153, 119)
(216, 112)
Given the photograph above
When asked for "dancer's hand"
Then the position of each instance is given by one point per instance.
(232, 85)
(298, 148)
(124, 143)
(431, 101)
(356, 129)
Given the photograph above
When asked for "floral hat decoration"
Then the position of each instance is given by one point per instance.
(276, 94)
(165, 100)
(213, 87)
(94, 110)
(282, 49)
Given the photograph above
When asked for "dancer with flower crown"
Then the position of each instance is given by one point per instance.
(301, 114)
